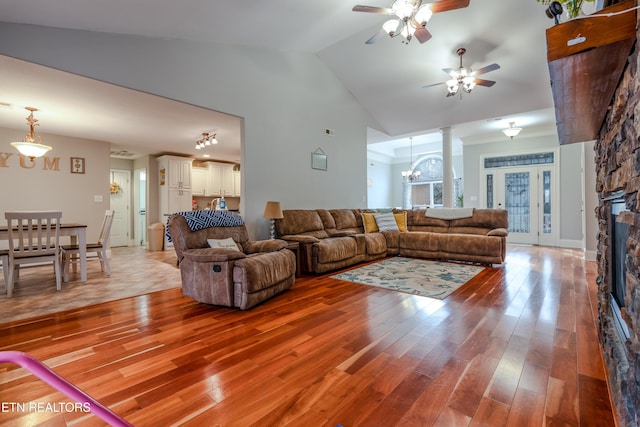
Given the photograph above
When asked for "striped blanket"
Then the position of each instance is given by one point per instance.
(197, 220)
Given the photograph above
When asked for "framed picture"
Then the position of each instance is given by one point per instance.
(319, 160)
(77, 165)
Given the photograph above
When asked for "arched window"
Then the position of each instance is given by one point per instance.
(426, 191)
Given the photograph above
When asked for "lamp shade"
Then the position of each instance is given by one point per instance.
(31, 149)
(273, 210)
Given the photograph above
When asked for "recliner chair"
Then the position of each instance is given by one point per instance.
(241, 278)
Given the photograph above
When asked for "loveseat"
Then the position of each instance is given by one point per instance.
(239, 272)
(336, 238)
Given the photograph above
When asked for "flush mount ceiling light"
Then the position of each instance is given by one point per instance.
(511, 131)
(31, 146)
(207, 139)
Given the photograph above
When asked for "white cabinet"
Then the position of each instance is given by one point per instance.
(175, 187)
(236, 184)
(179, 172)
(220, 179)
(200, 181)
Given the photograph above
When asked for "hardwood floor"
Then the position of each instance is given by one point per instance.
(516, 346)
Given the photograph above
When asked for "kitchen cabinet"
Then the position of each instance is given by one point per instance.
(199, 181)
(175, 187)
(236, 184)
(179, 172)
(220, 179)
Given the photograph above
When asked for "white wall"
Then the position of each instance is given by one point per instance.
(591, 202)
(36, 186)
(287, 100)
(379, 182)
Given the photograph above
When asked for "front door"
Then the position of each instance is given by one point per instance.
(527, 195)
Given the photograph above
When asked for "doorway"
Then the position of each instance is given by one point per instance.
(120, 227)
(529, 194)
(140, 206)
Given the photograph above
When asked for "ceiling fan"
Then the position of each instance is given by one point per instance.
(465, 78)
(411, 16)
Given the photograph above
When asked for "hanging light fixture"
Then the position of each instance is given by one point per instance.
(410, 18)
(511, 131)
(206, 139)
(411, 175)
(31, 145)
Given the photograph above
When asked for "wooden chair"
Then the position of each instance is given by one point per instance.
(4, 260)
(34, 237)
(99, 250)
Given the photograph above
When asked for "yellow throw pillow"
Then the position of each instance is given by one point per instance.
(401, 220)
(369, 223)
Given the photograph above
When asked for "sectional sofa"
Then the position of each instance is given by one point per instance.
(330, 239)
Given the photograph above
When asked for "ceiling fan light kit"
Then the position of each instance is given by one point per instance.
(410, 18)
(465, 78)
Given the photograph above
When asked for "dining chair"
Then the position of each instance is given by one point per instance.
(98, 250)
(4, 260)
(34, 238)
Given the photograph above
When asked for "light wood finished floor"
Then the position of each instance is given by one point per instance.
(517, 346)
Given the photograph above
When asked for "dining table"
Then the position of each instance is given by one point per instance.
(78, 234)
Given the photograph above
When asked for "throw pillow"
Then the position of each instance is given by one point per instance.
(386, 222)
(369, 223)
(227, 243)
(401, 220)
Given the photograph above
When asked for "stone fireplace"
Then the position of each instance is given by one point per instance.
(617, 158)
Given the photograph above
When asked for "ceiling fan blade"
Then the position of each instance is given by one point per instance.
(431, 85)
(374, 38)
(422, 34)
(373, 9)
(445, 5)
(486, 69)
(487, 83)
(447, 70)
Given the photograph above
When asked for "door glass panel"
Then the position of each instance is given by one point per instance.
(489, 191)
(437, 194)
(517, 189)
(546, 202)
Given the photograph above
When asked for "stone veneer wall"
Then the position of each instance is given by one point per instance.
(617, 157)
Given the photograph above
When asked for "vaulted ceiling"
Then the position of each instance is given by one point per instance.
(386, 77)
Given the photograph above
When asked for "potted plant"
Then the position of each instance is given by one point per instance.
(572, 7)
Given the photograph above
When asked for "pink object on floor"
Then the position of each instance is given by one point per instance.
(47, 375)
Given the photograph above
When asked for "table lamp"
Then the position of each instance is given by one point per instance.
(273, 211)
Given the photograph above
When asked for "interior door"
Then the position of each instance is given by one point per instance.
(119, 235)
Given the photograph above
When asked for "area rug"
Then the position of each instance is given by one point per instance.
(434, 279)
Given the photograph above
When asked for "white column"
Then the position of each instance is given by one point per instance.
(447, 167)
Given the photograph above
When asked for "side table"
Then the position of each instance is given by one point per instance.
(295, 248)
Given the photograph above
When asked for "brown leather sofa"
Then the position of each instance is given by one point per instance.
(230, 277)
(336, 238)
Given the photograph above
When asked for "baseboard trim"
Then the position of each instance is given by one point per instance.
(570, 244)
